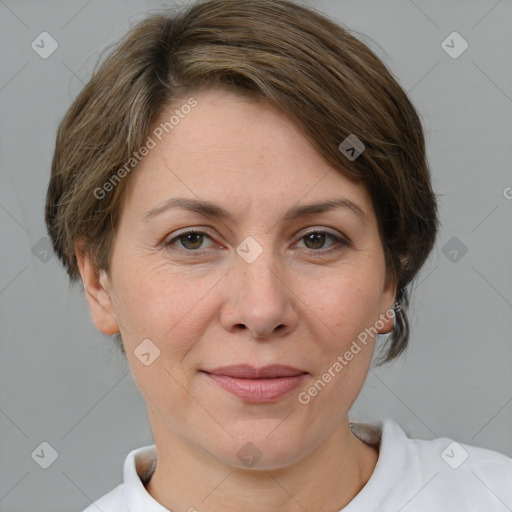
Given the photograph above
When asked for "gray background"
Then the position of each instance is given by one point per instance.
(64, 383)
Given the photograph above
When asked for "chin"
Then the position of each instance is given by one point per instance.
(261, 448)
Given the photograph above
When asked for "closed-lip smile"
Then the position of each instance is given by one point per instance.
(257, 385)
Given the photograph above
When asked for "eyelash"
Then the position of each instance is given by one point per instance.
(339, 243)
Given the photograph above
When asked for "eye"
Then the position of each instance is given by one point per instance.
(315, 240)
(190, 240)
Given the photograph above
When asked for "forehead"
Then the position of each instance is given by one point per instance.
(239, 152)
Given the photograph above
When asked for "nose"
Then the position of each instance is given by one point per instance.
(259, 299)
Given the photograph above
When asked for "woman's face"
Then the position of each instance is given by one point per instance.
(251, 287)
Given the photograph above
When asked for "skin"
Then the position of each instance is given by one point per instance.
(301, 302)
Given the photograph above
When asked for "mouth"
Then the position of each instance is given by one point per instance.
(257, 385)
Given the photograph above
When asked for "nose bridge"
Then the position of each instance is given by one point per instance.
(261, 301)
(257, 276)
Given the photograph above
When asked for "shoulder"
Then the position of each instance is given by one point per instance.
(113, 501)
(462, 466)
(131, 494)
(439, 474)
(459, 474)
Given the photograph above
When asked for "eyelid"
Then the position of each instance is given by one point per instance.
(211, 232)
(185, 231)
(198, 229)
(338, 238)
(321, 229)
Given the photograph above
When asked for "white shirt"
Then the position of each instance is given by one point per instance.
(411, 475)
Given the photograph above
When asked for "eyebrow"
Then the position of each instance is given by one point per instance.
(209, 209)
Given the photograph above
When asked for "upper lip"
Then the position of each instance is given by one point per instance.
(244, 371)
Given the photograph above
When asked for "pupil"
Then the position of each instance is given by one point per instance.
(190, 238)
(317, 236)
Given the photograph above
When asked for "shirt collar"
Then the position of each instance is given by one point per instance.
(391, 441)
(138, 468)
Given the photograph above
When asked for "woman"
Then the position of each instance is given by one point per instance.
(243, 190)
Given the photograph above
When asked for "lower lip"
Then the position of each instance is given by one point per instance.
(258, 390)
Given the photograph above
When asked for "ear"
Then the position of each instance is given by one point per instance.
(97, 290)
(387, 312)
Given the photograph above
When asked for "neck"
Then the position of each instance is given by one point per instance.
(188, 478)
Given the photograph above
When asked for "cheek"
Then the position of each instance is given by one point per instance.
(346, 302)
(164, 307)
(155, 300)
(343, 314)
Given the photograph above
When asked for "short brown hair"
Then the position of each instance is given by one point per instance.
(327, 81)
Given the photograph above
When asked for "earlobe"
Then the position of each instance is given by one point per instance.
(97, 291)
(387, 315)
(386, 321)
